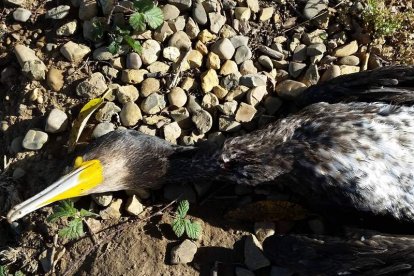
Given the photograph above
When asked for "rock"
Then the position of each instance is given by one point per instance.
(133, 206)
(170, 12)
(296, 68)
(153, 104)
(93, 87)
(163, 32)
(299, 54)
(266, 14)
(346, 50)
(272, 105)
(266, 62)
(217, 21)
(110, 72)
(223, 48)
(158, 67)
(150, 51)
(88, 9)
(199, 13)
(34, 139)
(253, 255)
(112, 211)
(56, 121)
(67, 29)
(102, 128)
(346, 69)
(290, 89)
(203, 121)
(177, 97)
(133, 61)
(331, 72)
(255, 95)
(270, 52)
(171, 53)
(106, 112)
(149, 86)
(181, 4)
(209, 80)
(191, 28)
(229, 67)
(31, 65)
(205, 36)
(180, 40)
(314, 7)
(245, 113)
(18, 3)
(209, 101)
(264, 229)
(243, 53)
(133, 76)
(213, 61)
(107, 7)
(230, 81)
(21, 14)
(59, 12)
(102, 54)
(183, 253)
(253, 5)
(239, 40)
(311, 76)
(220, 92)
(349, 60)
(227, 124)
(55, 79)
(172, 132)
(127, 93)
(74, 52)
(188, 84)
(253, 80)
(147, 130)
(316, 49)
(195, 59)
(247, 68)
(242, 13)
(130, 114)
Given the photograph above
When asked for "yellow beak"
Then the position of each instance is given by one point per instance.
(86, 176)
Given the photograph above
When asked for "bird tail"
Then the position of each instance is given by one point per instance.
(325, 255)
(394, 84)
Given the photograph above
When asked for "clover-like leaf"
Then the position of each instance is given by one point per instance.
(74, 230)
(192, 229)
(154, 17)
(137, 21)
(134, 44)
(182, 209)
(178, 227)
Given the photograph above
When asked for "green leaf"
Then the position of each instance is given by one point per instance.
(183, 207)
(154, 17)
(134, 44)
(65, 209)
(19, 273)
(74, 230)
(85, 213)
(178, 227)
(143, 5)
(113, 48)
(137, 21)
(192, 229)
(4, 271)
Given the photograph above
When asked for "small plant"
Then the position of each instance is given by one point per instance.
(180, 224)
(4, 271)
(381, 19)
(74, 229)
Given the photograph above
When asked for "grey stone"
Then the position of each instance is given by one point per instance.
(171, 12)
(181, 4)
(112, 211)
(311, 76)
(59, 12)
(21, 14)
(242, 54)
(253, 255)
(290, 89)
(110, 72)
(349, 60)
(18, 3)
(248, 67)
(191, 28)
(264, 229)
(253, 80)
(314, 7)
(88, 9)
(180, 40)
(316, 49)
(133, 61)
(34, 139)
(203, 121)
(172, 132)
(57, 121)
(107, 111)
(199, 13)
(130, 114)
(183, 253)
(271, 52)
(133, 206)
(296, 68)
(31, 65)
(93, 87)
(266, 62)
(299, 54)
(151, 50)
(74, 52)
(230, 81)
(239, 40)
(153, 104)
(217, 21)
(102, 128)
(223, 48)
(227, 124)
(127, 93)
(67, 29)
(102, 54)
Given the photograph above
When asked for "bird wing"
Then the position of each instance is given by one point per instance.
(326, 255)
(394, 84)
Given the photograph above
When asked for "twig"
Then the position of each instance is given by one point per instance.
(178, 70)
(80, 68)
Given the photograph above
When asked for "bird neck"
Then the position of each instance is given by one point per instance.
(190, 165)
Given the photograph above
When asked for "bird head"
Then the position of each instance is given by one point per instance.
(120, 160)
